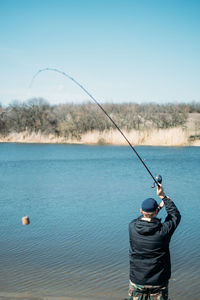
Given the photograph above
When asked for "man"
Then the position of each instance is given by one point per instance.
(150, 267)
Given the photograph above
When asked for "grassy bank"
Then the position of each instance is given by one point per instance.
(154, 137)
(35, 121)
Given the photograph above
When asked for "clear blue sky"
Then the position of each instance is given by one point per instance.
(121, 51)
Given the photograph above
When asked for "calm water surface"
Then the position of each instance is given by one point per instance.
(80, 200)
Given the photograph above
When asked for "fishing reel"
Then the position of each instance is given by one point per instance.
(158, 179)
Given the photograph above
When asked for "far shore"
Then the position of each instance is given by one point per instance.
(152, 137)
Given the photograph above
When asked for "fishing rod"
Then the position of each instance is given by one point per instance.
(156, 180)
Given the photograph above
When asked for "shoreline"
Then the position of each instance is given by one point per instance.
(27, 296)
(173, 137)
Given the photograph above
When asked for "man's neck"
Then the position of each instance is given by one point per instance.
(146, 219)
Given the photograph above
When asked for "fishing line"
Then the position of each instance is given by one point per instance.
(84, 89)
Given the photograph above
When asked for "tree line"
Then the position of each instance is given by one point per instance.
(73, 120)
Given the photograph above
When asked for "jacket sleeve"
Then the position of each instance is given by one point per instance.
(173, 216)
(130, 237)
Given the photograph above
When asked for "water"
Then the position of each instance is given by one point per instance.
(80, 200)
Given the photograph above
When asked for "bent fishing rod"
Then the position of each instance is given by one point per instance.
(159, 178)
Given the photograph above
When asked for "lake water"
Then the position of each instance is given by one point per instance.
(80, 200)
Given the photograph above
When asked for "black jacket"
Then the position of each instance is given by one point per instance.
(149, 247)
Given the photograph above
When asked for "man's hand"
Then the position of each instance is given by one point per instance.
(161, 205)
(161, 194)
(160, 191)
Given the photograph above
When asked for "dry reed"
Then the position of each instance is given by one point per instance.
(154, 137)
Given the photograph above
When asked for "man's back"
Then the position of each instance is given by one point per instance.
(149, 247)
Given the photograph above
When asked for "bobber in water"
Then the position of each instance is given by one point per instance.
(25, 220)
